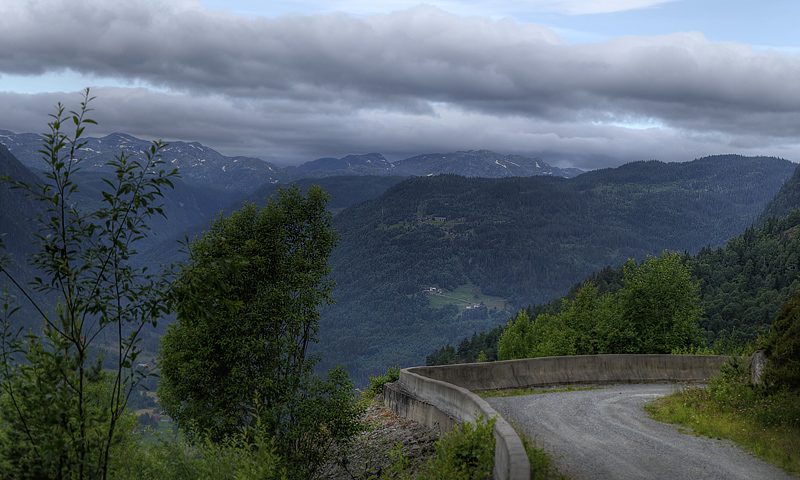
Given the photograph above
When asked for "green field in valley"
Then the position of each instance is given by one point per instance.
(463, 297)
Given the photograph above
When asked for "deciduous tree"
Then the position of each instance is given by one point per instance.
(659, 303)
(238, 358)
(61, 406)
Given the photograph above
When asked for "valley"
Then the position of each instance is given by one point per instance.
(499, 243)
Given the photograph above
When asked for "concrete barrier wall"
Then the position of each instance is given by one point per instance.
(440, 397)
(442, 406)
(576, 370)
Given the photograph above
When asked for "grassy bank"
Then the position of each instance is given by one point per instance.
(765, 423)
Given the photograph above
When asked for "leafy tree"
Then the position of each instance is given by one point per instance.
(516, 338)
(247, 306)
(655, 312)
(62, 413)
(659, 305)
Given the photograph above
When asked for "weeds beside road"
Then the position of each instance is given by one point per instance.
(764, 423)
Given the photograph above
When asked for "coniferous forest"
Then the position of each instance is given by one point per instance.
(525, 241)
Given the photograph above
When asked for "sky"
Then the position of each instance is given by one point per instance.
(580, 83)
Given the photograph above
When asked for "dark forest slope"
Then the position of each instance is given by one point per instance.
(526, 240)
(742, 288)
(787, 199)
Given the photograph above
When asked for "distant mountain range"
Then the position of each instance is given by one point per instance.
(205, 167)
(199, 166)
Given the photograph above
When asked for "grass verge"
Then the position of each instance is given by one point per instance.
(766, 424)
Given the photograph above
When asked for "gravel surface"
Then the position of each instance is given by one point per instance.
(605, 434)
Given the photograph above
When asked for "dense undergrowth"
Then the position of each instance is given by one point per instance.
(466, 452)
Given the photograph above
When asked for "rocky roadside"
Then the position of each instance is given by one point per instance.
(387, 435)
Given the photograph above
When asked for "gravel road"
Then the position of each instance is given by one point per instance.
(605, 434)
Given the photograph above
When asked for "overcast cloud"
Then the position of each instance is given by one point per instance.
(293, 88)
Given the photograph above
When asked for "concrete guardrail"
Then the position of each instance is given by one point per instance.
(441, 397)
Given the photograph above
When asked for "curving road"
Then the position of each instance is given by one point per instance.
(605, 434)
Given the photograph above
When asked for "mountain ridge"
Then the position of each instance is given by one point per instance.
(203, 166)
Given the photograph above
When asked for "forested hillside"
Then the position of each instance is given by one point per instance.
(345, 190)
(493, 245)
(15, 207)
(787, 199)
(742, 288)
(525, 240)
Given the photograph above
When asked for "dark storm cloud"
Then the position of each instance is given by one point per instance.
(294, 88)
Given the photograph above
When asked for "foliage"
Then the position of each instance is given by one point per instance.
(730, 345)
(526, 240)
(542, 467)
(744, 285)
(657, 308)
(242, 456)
(376, 383)
(247, 314)
(783, 347)
(466, 452)
(786, 200)
(64, 417)
(655, 312)
(28, 445)
(766, 423)
(516, 338)
(482, 347)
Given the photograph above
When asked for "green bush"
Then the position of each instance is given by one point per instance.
(733, 392)
(376, 383)
(656, 311)
(467, 452)
(236, 457)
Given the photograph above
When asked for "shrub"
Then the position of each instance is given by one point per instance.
(376, 383)
(235, 457)
(63, 410)
(467, 452)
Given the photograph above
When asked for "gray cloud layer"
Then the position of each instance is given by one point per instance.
(294, 88)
